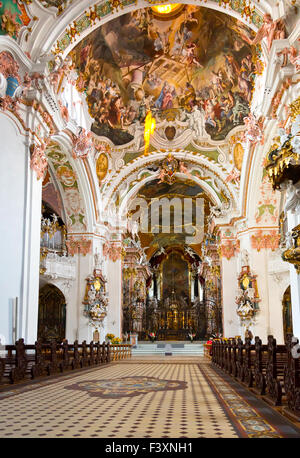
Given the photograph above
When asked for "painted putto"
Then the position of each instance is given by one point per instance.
(198, 60)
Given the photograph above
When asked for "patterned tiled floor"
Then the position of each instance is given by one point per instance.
(137, 399)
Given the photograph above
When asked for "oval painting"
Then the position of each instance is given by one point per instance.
(101, 166)
(238, 154)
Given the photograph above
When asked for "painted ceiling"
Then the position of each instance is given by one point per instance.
(138, 62)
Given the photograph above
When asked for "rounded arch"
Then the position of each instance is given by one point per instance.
(52, 313)
(256, 186)
(74, 184)
(135, 189)
(66, 33)
(137, 166)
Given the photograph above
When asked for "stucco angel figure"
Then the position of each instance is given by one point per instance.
(133, 228)
(292, 203)
(295, 142)
(197, 122)
(234, 175)
(284, 136)
(289, 56)
(254, 130)
(137, 130)
(161, 176)
(82, 144)
(92, 296)
(183, 169)
(97, 260)
(271, 30)
(289, 241)
(245, 258)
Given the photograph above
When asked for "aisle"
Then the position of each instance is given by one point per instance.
(170, 398)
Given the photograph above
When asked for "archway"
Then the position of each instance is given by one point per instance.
(52, 314)
(174, 289)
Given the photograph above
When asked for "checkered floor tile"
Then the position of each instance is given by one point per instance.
(150, 399)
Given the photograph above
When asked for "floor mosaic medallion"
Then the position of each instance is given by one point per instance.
(126, 386)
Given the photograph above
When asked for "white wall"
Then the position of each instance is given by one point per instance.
(20, 206)
(114, 280)
(231, 326)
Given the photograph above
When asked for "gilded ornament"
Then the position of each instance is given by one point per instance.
(295, 109)
(101, 166)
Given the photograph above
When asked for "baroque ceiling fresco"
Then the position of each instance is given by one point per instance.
(140, 62)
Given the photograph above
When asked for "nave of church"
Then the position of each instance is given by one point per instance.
(150, 203)
(179, 398)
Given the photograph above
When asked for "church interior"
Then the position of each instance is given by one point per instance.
(150, 190)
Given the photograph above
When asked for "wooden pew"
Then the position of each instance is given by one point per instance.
(233, 358)
(218, 353)
(39, 367)
(92, 356)
(84, 357)
(228, 356)
(76, 358)
(223, 362)
(52, 364)
(260, 366)
(64, 363)
(240, 360)
(277, 359)
(213, 352)
(292, 376)
(17, 362)
(248, 362)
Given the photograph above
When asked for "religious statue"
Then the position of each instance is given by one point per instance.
(82, 144)
(38, 161)
(234, 175)
(289, 56)
(136, 129)
(292, 202)
(183, 169)
(295, 143)
(97, 260)
(95, 299)
(64, 111)
(245, 258)
(197, 122)
(245, 306)
(247, 297)
(271, 30)
(254, 130)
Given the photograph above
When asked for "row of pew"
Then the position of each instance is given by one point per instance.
(21, 362)
(271, 370)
